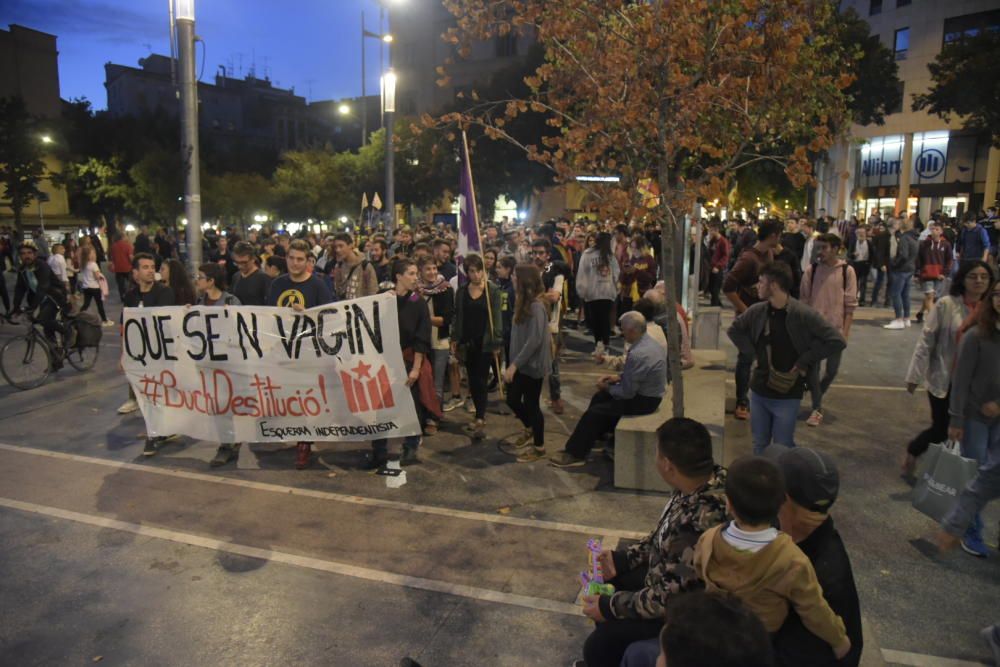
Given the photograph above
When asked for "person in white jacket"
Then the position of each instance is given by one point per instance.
(597, 287)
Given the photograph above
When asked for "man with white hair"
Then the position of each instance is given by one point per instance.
(637, 391)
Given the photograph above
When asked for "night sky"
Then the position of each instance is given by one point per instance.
(306, 44)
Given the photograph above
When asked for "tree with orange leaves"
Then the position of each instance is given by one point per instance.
(684, 92)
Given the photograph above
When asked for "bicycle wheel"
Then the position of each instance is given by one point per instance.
(82, 358)
(25, 362)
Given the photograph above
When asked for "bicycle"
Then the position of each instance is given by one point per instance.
(26, 361)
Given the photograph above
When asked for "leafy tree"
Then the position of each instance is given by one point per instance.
(158, 186)
(965, 84)
(875, 90)
(235, 197)
(686, 93)
(21, 164)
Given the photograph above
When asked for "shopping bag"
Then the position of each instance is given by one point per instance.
(945, 476)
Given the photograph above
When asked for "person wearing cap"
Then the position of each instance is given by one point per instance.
(811, 486)
(637, 391)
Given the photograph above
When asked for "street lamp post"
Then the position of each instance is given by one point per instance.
(386, 38)
(184, 19)
(389, 110)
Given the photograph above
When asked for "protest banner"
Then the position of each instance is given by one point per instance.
(262, 374)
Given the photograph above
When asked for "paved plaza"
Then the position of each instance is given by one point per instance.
(114, 558)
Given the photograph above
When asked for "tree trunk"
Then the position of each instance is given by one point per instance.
(18, 227)
(668, 234)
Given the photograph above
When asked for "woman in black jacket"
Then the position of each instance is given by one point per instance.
(440, 299)
(477, 334)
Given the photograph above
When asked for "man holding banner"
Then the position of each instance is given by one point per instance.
(298, 289)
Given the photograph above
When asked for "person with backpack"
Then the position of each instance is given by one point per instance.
(830, 287)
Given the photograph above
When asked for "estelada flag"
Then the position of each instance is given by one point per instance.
(376, 202)
(364, 200)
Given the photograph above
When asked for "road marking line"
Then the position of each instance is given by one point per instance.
(861, 387)
(921, 660)
(333, 567)
(336, 497)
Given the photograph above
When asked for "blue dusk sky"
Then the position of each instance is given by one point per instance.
(311, 45)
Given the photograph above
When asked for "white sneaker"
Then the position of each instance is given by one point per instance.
(107, 323)
(895, 324)
(598, 350)
(907, 323)
(131, 405)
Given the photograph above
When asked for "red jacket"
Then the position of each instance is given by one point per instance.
(121, 256)
(720, 253)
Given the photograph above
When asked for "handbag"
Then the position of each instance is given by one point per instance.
(102, 282)
(779, 381)
(941, 478)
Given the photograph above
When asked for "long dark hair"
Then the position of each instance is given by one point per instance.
(180, 283)
(529, 288)
(603, 246)
(987, 315)
(964, 268)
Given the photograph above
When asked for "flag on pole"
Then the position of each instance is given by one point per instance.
(376, 202)
(364, 200)
(468, 216)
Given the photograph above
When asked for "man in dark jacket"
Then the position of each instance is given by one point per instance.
(43, 291)
(787, 338)
(881, 241)
(902, 266)
(812, 483)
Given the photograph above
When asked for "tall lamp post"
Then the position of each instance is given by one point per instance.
(385, 38)
(388, 111)
(184, 20)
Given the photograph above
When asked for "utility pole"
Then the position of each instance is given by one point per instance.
(389, 108)
(184, 17)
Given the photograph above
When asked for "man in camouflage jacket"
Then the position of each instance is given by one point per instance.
(646, 574)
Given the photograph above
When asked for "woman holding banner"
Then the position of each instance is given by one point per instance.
(415, 339)
(210, 282)
(477, 335)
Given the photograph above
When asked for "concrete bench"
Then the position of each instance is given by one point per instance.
(704, 401)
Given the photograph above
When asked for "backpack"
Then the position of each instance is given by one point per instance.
(843, 271)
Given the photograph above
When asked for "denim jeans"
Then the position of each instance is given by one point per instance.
(984, 488)
(880, 278)
(744, 363)
(642, 653)
(555, 383)
(772, 420)
(819, 386)
(380, 447)
(899, 291)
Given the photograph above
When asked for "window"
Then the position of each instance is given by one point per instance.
(901, 43)
(875, 7)
(506, 45)
(970, 25)
(899, 107)
(902, 3)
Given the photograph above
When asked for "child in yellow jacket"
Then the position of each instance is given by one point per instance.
(763, 567)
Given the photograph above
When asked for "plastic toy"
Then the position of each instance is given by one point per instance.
(593, 581)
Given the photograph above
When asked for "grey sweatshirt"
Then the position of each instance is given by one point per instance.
(593, 284)
(530, 345)
(976, 378)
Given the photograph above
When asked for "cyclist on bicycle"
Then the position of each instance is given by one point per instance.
(44, 291)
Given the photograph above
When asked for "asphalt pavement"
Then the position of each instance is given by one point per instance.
(115, 558)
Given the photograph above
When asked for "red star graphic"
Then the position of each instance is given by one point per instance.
(362, 370)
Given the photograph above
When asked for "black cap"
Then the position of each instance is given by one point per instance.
(811, 477)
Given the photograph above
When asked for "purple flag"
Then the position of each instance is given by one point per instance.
(468, 217)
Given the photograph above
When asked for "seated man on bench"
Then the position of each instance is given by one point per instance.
(637, 391)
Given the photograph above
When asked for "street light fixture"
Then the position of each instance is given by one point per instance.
(183, 19)
(46, 139)
(343, 109)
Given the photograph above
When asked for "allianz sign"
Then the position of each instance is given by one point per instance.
(876, 166)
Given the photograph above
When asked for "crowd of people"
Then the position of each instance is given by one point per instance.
(752, 551)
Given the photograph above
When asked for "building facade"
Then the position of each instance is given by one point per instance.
(915, 162)
(29, 69)
(248, 110)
